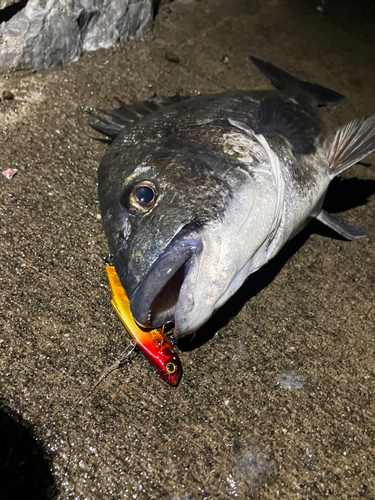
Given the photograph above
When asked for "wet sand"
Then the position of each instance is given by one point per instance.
(277, 394)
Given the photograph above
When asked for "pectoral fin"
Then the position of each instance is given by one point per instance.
(286, 117)
(346, 229)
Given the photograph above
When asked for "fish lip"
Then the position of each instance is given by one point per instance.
(170, 268)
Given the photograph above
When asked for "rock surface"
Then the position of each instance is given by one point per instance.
(229, 426)
(45, 33)
(6, 3)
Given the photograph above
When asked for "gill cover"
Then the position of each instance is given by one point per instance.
(243, 240)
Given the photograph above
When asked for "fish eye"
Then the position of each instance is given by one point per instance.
(170, 367)
(143, 196)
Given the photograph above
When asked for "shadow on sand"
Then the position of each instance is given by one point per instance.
(24, 470)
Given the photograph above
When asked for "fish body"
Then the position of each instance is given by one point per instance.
(153, 343)
(198, 194)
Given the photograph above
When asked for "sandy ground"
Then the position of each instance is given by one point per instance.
(277, 395)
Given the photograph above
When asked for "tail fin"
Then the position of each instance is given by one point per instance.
(283, 81)
(351, 144)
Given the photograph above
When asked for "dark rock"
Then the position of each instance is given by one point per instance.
(7, 95)
(42, 35)
(172, 57)
(6, 3)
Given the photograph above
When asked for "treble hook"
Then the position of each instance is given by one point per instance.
(123, 356)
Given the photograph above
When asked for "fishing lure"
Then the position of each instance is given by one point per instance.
(153, 343)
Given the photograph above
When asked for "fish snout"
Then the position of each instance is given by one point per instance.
(153, 302)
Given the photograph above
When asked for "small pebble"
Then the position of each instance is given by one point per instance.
(7, 95)
(251, 470)
(225, 59)
(183, 496)
(292, 381)
(9, 173)
(172, 57)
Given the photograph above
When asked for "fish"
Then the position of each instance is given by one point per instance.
(154, 344)
(196, 194)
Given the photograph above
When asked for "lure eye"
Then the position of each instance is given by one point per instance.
(143, 196)
(170, 367)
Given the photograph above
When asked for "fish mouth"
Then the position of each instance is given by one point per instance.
(153, 302)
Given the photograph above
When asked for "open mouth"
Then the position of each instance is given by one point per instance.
(162, 307)
(154, 300)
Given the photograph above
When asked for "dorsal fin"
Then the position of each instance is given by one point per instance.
(127, 114)
(284, 81)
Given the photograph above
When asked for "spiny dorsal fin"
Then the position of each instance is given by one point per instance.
(351, 144)
(284, 81)
(127, 114)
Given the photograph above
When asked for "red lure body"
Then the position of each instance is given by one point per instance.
(153, 343)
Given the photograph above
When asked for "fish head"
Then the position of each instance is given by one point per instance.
(184, 218)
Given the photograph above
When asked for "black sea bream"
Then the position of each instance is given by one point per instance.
(197, 194)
